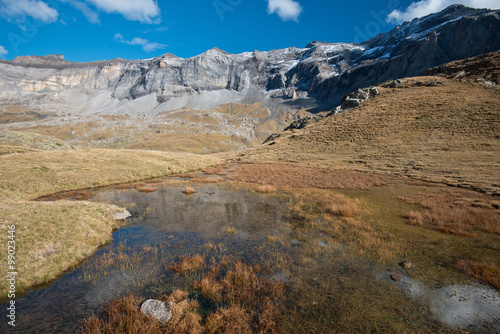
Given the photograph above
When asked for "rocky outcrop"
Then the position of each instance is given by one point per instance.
(355, 99)
(481, 68)
(317, 76)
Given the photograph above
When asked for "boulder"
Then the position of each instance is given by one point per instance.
(161, 311)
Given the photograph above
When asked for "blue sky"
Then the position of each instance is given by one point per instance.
(88, 30)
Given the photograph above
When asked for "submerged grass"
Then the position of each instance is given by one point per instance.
(186, 264)
(243, 302)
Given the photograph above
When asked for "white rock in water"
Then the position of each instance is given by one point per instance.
(161, 311)
(122, 215)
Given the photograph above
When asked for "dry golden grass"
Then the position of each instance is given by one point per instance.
(186, 264)
(305, 177)
(189, 190)
(485, 272)
(455, 212)
(53, 236)
(444, 134)
(124, 316)
(33, 140)
(266, 189)
(37, 173)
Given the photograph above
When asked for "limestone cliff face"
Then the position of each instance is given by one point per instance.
(318, 75)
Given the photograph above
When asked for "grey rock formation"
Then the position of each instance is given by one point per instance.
(161, 311)
(317, 76)
(355, 99)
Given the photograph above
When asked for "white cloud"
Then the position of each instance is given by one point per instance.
(20, 9)
(425, 7)
(91, 15)
(3, 51)
(134, 10)
(146, 45)
(287, 10)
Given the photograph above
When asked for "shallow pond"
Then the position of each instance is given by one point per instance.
(327, 290)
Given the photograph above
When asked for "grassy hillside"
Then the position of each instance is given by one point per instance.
(447, 133)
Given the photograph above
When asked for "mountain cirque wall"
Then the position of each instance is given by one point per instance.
(282, 81)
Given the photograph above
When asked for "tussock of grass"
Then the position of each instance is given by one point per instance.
(188, 264)
(266, 189)
(231, 230)
(485, 272)
(454, 212)
(146, 189)
(189, 190)
(343, 210)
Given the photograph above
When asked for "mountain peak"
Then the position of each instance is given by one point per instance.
(215, 51)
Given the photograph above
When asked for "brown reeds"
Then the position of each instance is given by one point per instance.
(485, 272)
(246, 301)
(145, 189)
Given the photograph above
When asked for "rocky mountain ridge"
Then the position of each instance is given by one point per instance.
(318, 75)
(278, 82)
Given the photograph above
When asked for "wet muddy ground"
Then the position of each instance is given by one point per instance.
(328, 287)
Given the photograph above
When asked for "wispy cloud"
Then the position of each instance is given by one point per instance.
(146, 11)
(146, 45)
(155, 30)
(90, 14)
(20, 9)
(287, 10)
(3, 52)
(425, 7)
